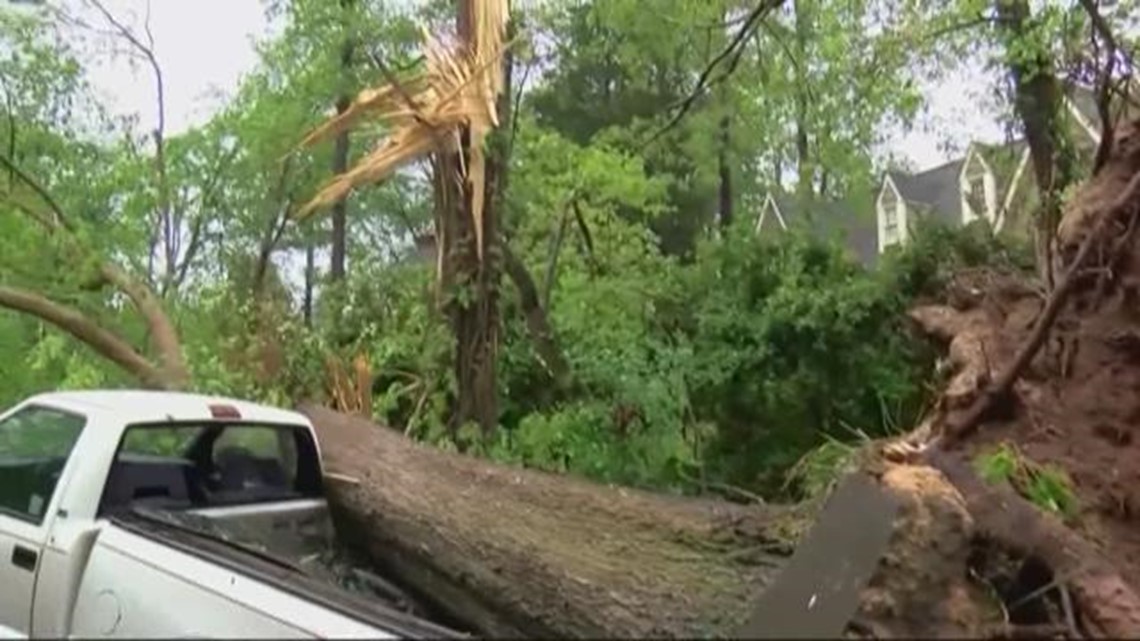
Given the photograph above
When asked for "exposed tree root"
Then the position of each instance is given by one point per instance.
(1110, 608)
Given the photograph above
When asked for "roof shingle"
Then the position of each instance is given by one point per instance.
(834, 220)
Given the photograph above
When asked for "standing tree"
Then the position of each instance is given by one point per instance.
(447, 112)
(1037, 98)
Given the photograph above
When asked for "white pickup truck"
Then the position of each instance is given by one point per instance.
(149, 514)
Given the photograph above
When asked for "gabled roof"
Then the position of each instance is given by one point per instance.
(1003, 160)
(934, 191)
(834, 220)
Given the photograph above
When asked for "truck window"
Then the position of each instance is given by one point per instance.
(274, 447)
(35, 444)
(159, 441)
(181, 466)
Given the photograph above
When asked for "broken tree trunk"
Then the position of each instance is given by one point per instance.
(517, 553)
(514, 552)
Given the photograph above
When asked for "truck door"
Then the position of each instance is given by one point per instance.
(35, 444)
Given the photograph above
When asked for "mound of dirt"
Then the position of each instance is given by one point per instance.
(1062, 391)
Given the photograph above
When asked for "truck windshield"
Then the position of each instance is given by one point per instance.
(192, 465)
(35, 444)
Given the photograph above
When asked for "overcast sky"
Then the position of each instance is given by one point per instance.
(205, 45)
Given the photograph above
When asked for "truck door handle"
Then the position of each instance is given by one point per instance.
(24, 558)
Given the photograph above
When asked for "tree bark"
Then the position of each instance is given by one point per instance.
(804, 166)
(725, 171)
(515, 553)
(1038, 102)
(88, 332)
(339, 250)
(470, 272)
(518, 553)
(163, 335)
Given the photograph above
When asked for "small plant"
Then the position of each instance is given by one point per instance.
(819, 468)
(1046, 486)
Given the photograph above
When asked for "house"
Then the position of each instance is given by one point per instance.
(990, 182)
(845, 221)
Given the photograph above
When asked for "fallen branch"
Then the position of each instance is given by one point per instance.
(87, 331)
(163, 334)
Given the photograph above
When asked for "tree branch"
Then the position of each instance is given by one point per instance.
(733, 50)
(87, 331)
(164, 336)
(275, 228)
(537, 322)
(1102, 30)
(41, 191)
(165, 215)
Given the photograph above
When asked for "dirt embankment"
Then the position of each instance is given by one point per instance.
(1073, 403)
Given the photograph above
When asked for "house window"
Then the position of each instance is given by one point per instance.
(891, 225)
(978, 190)
(974, 191)
(890, 213)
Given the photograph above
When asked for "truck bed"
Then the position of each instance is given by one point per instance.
(237, 587)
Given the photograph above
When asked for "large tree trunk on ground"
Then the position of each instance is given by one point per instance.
(518, 553)
(515, 552)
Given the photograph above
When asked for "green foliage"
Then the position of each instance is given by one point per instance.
(817, 470)
(795, 342)
(756, 362)
(1046, 486)
(935, 251)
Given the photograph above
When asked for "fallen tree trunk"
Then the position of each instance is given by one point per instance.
(518, 553)
(514, 552)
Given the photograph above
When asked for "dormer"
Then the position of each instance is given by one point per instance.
(978, 188)
(890, 210)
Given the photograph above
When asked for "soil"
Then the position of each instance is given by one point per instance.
(1076, 405)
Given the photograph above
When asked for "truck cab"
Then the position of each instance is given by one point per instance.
(151, 514)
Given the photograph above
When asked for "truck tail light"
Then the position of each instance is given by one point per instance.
(224, 411)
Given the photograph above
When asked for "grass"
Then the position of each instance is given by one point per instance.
(1046, 486)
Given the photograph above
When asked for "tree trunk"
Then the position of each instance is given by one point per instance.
(537, 323)
(805, 169)
(469, 272)
(516, 553)
(340, 160)
(310, 277)
(470, 287)
(725, 171)
(1038, 101)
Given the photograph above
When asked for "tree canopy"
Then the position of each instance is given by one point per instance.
(609, 289)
